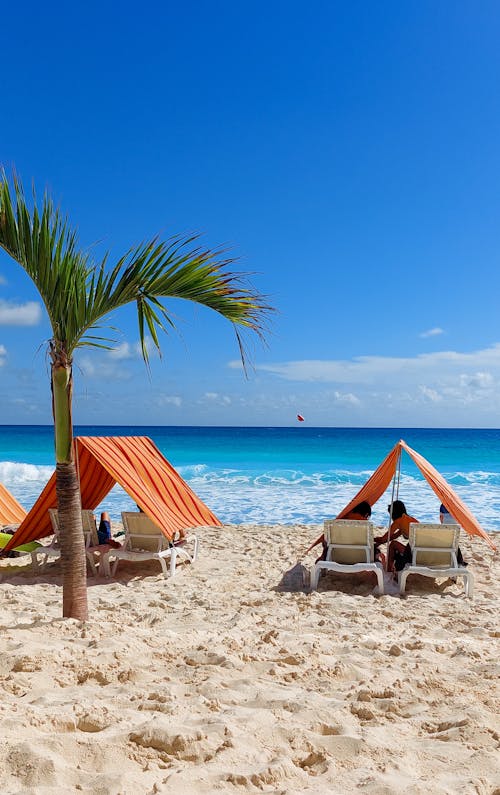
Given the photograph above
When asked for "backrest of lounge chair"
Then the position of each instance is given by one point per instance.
(353, 533)
(440, 543)
(89, 527)
(88, 522)
(54, 520)
(141, 533)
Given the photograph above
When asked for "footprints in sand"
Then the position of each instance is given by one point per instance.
(217, 682)
(173, 742)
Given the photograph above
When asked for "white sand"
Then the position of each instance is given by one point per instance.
(226, 679)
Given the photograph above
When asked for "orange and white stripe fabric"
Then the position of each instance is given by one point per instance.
(136, 464)
(377, 483)
(11, 512)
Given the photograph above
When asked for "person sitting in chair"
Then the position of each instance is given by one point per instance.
(104, 532)
(361, 511)
(398, 554)
(445, 517)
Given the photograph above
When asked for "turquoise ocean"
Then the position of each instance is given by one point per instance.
(282, 475)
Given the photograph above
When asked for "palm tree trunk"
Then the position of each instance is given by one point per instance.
(74, 564)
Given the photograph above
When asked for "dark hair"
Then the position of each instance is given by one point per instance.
(398, 509)
(363, 508)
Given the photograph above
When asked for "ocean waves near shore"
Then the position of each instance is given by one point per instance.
(284, 496)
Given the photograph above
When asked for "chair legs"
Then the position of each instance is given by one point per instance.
(172, 553)
(468, 584)
(325, 565)
(460, 572)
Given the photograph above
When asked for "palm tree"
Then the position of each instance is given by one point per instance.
(78, 294)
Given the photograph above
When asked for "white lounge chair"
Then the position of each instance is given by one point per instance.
(434, 554)
(145, 541)
(350, 549)
(94, 551)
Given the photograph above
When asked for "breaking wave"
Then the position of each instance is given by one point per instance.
(285, 496)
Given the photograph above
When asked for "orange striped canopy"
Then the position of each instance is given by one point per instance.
(376, 485)
(136, 464)
(10, 510)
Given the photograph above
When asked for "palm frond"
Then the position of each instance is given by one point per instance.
(78, 293)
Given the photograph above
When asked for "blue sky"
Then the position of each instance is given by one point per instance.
(346, 152)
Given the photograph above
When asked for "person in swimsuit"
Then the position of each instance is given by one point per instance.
(361, 511)
(104, 532)
(398, 554)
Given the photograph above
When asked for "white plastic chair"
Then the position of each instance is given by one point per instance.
(350, 549)
(145, 541)
(92, 547)
(434, 554)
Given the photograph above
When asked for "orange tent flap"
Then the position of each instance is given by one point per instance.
(140, 469)
(374, 486)
(138, 466)
(11, 512)
(447, 496)
(376, 483)
(36, 523)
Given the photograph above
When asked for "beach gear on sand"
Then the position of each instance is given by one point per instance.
(29, 547)
(349, 549)
(378, 482)
(95, 553)
(434, 553)
(145, 541)
(11, 512)
(136, 464)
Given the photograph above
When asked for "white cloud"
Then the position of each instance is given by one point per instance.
(105, 370)
(3, 280)
(477, 380)
(122, 351)
(28, 314)
(169, 400)
(346, 397)
(432, 332)
(447, 365)
(439, 389)
(215, 397)
(431, 394)
(126, 350)
(3, 354)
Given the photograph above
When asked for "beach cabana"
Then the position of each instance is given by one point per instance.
(136, 464)
(388, 471)
(11, 512)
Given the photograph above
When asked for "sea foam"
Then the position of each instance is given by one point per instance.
(285, 496)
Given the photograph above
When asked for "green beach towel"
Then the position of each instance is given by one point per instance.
(29, 547)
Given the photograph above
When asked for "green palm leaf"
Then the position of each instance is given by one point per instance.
(79, 294)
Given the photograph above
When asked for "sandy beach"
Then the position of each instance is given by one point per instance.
(231, 678)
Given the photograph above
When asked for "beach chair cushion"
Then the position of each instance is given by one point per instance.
(349, 540)
(349, 549)
(434, 545)
(145, 541)
(434, 549)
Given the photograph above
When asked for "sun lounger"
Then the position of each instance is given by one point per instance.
(145, 541)
(350, 549)
(434, 554)
(95, 552)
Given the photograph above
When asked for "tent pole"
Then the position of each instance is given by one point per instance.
(395, 489)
